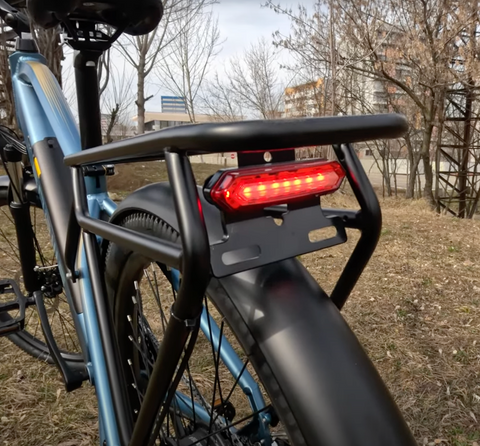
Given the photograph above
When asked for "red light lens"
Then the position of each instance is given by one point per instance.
(242, 189)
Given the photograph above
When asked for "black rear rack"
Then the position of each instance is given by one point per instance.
(246, 136)
(193, 256)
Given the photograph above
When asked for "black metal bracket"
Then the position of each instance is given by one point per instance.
(73, 378)
(189, 323)
(368, 220)
(99, 170)
(160, 250)
(83, 35)
(188, 304)
(285, 233)
(192, 258)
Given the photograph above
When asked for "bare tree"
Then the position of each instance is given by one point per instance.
(49, 45)
(405, 45)
(7, 111)
(117, 102)
(48, 41)
(254, 80)
(103, 70)
(195, 39)
(250, 85)
(408, 43)
(219, 102)
(142, 53)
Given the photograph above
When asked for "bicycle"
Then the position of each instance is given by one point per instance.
(302, 374)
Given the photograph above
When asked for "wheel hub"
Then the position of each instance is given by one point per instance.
(50, 279)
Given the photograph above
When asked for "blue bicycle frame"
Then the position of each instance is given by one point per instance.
(43, 113)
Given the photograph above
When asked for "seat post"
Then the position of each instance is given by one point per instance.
(88, 97)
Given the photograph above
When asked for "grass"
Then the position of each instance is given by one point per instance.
(416, 310)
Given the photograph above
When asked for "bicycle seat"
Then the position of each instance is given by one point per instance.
(137, 16)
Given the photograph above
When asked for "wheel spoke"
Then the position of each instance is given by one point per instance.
(12, 246)
(67, 321)
(64, 322)
(162, 313)
(192, 397)
(8, 216)
(15, 259)
(29, 317)
(235, 384)
(156, 294)
(214, 391)
(216, 361)
(229, 426)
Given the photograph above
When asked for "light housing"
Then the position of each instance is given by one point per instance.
(249, 188)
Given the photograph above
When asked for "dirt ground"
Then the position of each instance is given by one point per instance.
(416, 310)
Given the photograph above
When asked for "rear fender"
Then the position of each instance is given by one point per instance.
(326, 379)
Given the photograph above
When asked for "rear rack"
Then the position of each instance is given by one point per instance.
(193, 257)
(246, 136)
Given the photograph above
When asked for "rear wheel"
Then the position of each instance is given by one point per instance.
(210, 402)
(31, 340)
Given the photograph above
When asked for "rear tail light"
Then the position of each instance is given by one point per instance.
(244, 189)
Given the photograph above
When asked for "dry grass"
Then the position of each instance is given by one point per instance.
(416, 310)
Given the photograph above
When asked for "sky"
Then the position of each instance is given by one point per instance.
(241, 24)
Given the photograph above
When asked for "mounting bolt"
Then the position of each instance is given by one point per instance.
(69, 275)
(43, 288)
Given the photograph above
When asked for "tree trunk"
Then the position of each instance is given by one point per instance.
(427, 165)
(419, 187)
(386, 176)
(412, 175)
(141, 96)
(7, 115)
(111, 124)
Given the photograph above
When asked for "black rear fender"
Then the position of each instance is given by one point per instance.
(325, 377)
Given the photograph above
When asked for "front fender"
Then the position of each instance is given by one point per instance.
(325, 377)
(4, 189)
(30, 188)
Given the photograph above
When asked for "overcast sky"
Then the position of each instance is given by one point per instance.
(244, 22)
(241, 24)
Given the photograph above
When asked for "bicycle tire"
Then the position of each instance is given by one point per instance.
(118, 263)
(30, 343)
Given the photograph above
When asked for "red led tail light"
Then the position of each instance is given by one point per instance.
(242, 189)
